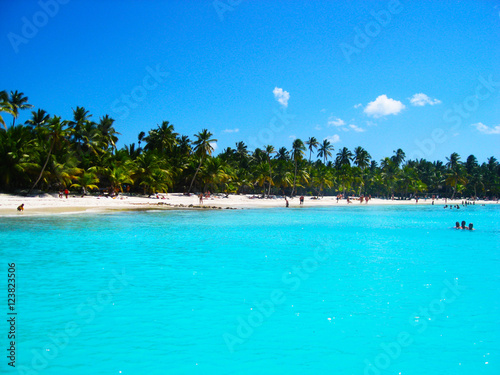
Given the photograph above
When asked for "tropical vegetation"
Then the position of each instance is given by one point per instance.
(49, 153)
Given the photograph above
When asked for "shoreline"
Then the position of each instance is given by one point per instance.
(50, 204)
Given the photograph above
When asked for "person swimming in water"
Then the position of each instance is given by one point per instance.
(464, 225)
(457, 225)
(471, 226)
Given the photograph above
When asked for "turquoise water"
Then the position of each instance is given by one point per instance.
(347, 290)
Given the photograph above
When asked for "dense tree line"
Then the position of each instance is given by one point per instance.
(49, 153)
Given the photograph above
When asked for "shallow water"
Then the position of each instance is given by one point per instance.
(348, 290)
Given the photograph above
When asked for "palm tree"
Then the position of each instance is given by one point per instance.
(18, 102)
(344, 157)
(298, 149)
(203, 147)
(361, 157)
(80, 117)
(140, 137)
(312, 143)
(38, 119)
(269, 149)
(56, 133)
(163, 138)
(88, 180)
(325, 150)
(399, 157)
(5, 106)
(107, 132)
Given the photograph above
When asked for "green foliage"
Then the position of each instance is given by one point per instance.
(50, 153)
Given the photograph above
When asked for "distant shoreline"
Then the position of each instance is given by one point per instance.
(49, 204)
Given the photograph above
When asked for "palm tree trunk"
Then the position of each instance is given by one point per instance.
(43, 168)
(294, 179)
(197, 170)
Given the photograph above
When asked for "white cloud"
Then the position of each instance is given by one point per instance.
(323, 110)
(419, 100)
(318, 127)
(358, 105)
(356, 128)
(292, 137)
(333, 138)
(214, 145)
(335, 121)
(383, 106)
(486, 129)
(281, 96)
(236, 130)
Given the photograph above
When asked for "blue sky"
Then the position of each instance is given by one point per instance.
(418, 75)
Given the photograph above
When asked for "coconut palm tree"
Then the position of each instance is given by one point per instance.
(18, 102)
(5, 106)
(80, 118)
(361, 157)
(298, 149)
(399, 157)
(203, 147)
(325, 150)
(56, 133)
(108, 134)
(38, 119)
(344, 157)
(312, 143)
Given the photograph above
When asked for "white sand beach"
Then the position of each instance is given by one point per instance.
(52, 204)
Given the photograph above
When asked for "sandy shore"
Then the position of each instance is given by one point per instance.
(52, 204)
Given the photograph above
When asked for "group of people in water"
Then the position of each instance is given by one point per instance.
(464, 225)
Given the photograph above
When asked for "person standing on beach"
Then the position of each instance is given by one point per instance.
(286, 203)
(201, 198)
(66, 192)
(301, 199)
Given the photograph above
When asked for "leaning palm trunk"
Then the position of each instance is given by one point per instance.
(294, 179)
(194, 177)
(43, 168)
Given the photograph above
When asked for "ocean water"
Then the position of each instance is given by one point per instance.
(341, 290)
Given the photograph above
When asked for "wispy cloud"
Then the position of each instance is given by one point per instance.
(281, 96)
(357, 129)
(231, 130)
(358, 105)
(419, 100)
(292, 137)
(383, 106)
(214, 145)
(333, 138)
(335, 121)
(486, 129)
(318, 127)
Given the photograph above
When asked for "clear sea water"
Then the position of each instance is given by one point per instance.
(341, 290)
